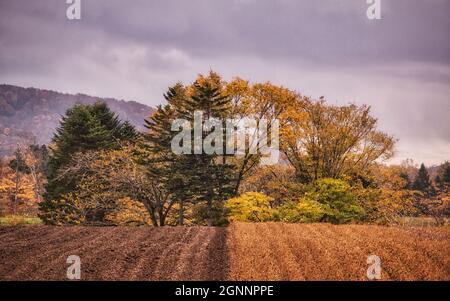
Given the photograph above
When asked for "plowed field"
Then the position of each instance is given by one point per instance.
(264, 251)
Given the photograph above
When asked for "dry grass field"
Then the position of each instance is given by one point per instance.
(263, 251)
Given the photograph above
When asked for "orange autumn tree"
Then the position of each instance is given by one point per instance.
(329, 141)
(259, 101)
(16, 189)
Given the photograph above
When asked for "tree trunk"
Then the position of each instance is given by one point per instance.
(181, 214)
(162, 217)
(16, 190)
(209, 219)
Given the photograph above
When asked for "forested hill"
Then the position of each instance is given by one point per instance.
(29, 113)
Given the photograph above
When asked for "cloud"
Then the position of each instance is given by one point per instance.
(134, 50)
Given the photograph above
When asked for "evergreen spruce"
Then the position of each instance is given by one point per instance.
(442, 180)
(162, 163)
(200, 179)
(422, 181)
(446, 173)
(83, 128)
(210, 179)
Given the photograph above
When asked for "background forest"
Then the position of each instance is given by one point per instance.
(100, 170)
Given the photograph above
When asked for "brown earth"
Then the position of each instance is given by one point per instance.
(264, 251)
(279, 251)
(114, 253)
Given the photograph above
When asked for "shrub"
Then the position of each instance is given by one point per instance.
(327, 200)
(387, 206)
(201, 213)
(303, 211)
(250, 207)
(339, 202)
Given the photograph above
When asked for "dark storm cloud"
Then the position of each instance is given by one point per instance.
(135, 49)
(332, 31)
(329, 31)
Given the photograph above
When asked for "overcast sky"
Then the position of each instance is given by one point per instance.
(134, 50)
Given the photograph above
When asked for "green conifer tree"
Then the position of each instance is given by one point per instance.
(200, 179)
(422, 181)
(209, 178)
(83, 128)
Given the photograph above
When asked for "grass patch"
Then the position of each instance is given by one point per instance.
(424, 221)
(14, 220)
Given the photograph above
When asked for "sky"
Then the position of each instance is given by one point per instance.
(135, 50)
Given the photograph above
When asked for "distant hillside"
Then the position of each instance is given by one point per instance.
(34, 114)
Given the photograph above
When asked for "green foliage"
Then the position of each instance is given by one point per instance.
(339, 201)
(250, 207)
(327, 200)
(192, 179)
(87, 127)
(442, 179)
(83, 128)
(446, 172)
(422, 181)
(18, 163)
(323, 144)
(303, 211)
(217, 213)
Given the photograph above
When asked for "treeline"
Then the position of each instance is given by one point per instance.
(22, 179)
(102, 171)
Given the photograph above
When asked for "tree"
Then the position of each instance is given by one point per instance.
(19, 166)
(261, 101)
(393, 177)
(83, 128)
(386, 205)
(157, 155)
(277, 181)
(422, 181)
(109, 177)
(209, 177)
(36, 159)
(184, 175)
(446, 173)
(196, 177)
(443, 177)
(17, 183)
(328, 141)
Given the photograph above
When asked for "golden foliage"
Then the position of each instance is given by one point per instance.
(129, 212)
(17, 193)
(251, 206)
(322, 140)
